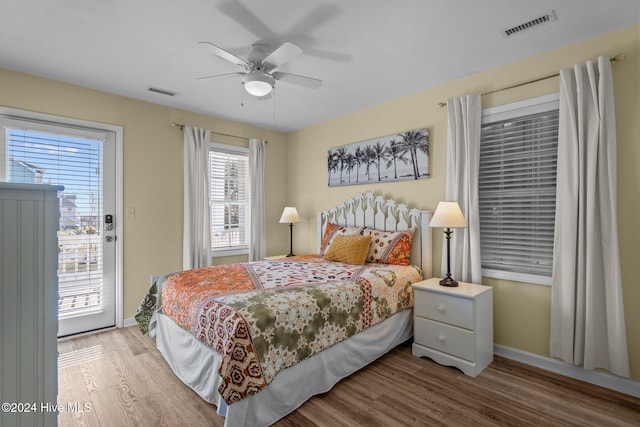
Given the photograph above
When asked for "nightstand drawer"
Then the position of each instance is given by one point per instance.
(445, 338)
(444, 308)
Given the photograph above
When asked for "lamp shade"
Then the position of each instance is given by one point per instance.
(289, 215)
(448, 215)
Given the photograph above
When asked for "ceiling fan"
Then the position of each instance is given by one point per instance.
(260, 68)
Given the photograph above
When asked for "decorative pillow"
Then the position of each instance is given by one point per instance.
(389, 247)
(348, 249)
(333, 230)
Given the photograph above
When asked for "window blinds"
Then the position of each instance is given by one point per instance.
(517, 191)
(37, 157)
(229, 181)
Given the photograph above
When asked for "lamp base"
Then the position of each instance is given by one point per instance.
(449, 282)
(290, 240)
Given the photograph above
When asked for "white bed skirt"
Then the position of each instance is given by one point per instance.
(196, 364)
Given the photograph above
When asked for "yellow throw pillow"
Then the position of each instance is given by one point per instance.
(348, 249)
(332, 230)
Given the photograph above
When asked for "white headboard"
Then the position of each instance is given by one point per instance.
(369, 210)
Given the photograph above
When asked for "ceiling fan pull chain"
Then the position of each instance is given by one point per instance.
(274, 106)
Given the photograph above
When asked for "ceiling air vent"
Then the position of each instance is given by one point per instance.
(550, 16)
(162, 91)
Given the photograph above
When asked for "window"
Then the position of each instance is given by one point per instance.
(517, 189)
(229, 198)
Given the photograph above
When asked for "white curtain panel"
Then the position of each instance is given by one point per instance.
(587, 315)
(196, 242)
(463, 163)
(257, 239)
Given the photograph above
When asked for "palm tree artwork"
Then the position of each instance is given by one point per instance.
(395, 152)
(399, 157)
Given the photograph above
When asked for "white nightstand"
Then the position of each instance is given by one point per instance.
(274, 257)
(454, 326)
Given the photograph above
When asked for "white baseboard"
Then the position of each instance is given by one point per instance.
(130, 321)
(599, 378)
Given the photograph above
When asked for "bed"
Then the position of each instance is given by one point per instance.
(258, 339)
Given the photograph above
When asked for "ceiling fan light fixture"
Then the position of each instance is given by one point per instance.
(258, 84)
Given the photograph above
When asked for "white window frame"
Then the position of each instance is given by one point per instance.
(509, 111)
(241, 249)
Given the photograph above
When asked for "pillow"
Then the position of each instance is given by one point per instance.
(333, 230)
(348, 249)
(389, 247)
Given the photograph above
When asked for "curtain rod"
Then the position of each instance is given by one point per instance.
(618, 58)
(181, 126)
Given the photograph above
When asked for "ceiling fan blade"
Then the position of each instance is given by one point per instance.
(221, 53)
(315, 19)
(285, 53)
(295, 79)
(220, 75)
(328, 55)
(247, 19)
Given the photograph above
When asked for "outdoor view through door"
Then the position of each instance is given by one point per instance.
(83, 161)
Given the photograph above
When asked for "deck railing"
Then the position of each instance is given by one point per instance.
(79, 273)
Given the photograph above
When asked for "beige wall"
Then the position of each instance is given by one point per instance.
(153, 172)
(521, 310)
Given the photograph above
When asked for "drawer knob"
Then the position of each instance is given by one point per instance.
(440, 337)
(440, 308)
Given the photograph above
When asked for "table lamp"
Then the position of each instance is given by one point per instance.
(448, 215)
(290, 215)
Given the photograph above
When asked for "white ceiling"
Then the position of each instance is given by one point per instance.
(365, 51)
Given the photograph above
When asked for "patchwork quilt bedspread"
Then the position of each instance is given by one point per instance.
(265, 316)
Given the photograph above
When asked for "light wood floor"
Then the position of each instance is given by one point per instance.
(123, 380)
